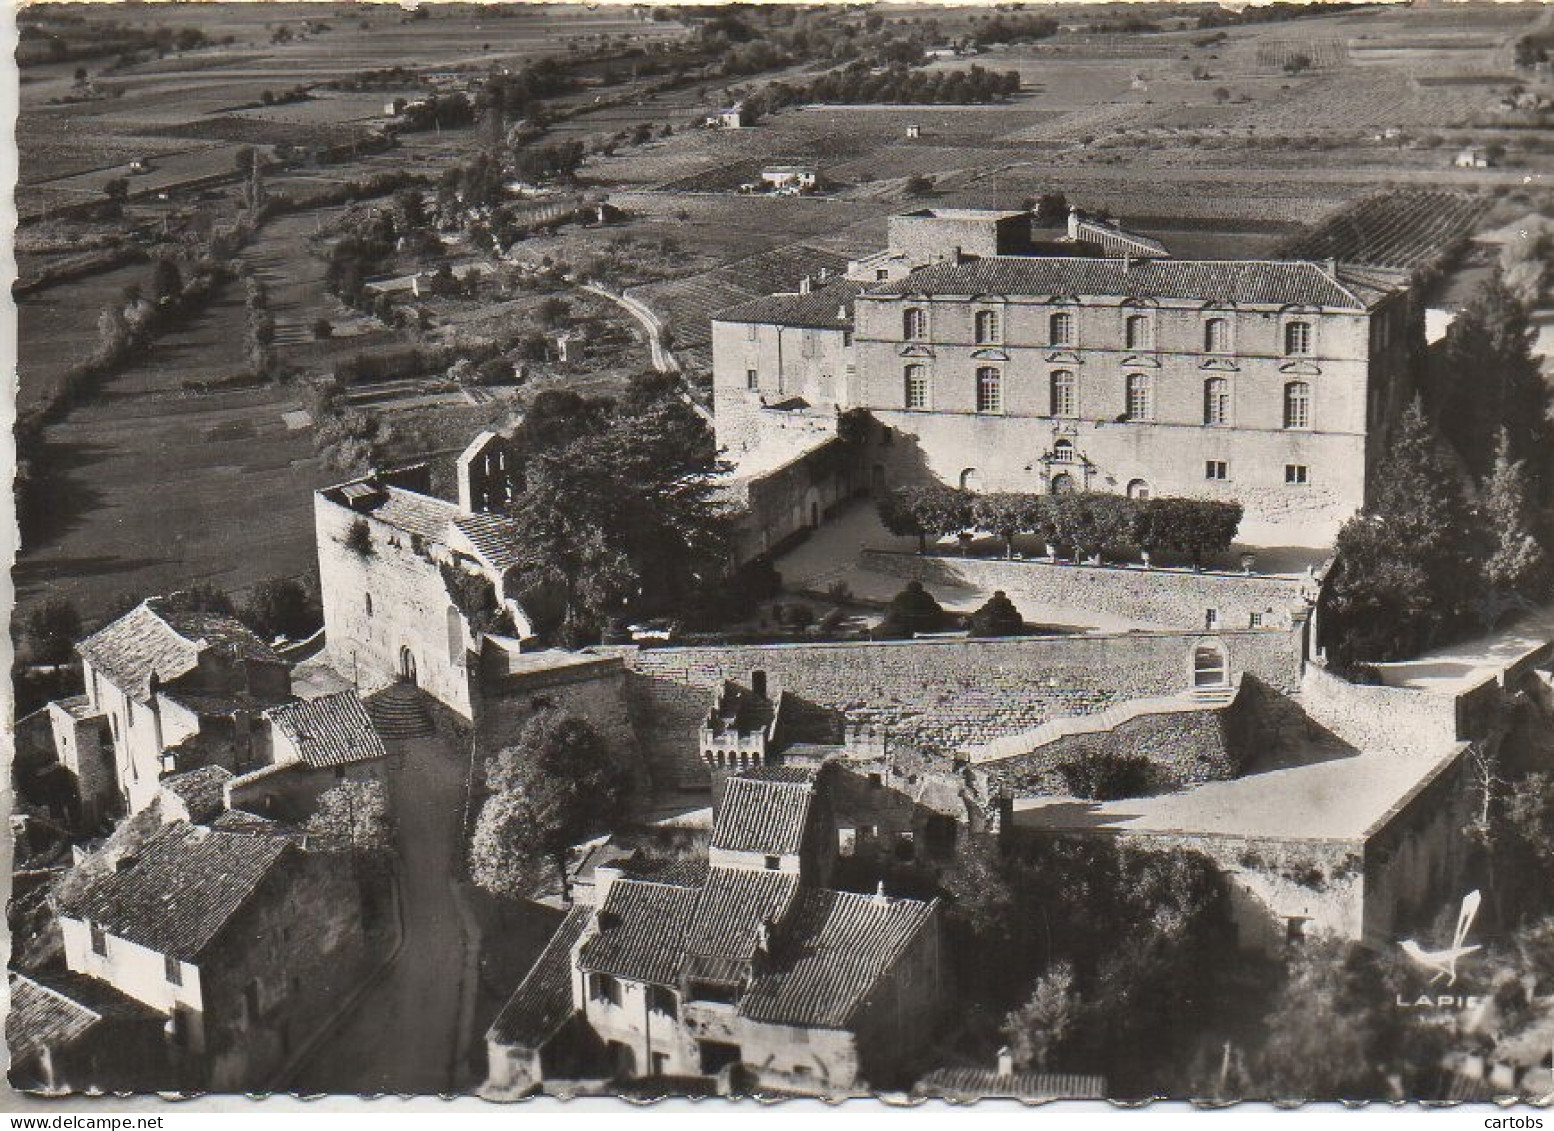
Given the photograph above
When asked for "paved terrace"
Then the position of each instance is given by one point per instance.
(835, 551)
(1454, 669)
(1338, 798)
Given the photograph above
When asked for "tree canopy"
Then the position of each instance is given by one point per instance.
(557, 784)
(623, 514)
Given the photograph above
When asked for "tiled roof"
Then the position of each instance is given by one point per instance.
(731, 907)
(152, 640)
(78, 707)
(686, 873)
(767, 815)
(1253, 282)
(818, 310)
(489, 535)
(641, 931)
(52, 1012)
(332, 730)
(184, 885)
(202, 791)
(492, 537)
(543, 1000)
(415, 513)
(832, 952)
(982, 1083)
(790, 775)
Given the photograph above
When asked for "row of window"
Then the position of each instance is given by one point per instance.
(1138, 331)
(605, 989)
(1295, 474)
(1063, 396)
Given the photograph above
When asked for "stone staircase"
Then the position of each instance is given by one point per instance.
(1100, 722)
(399, 711)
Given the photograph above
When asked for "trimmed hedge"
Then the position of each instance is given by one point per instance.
(1089, 523)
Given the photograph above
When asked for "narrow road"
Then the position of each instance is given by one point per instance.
(664, 359)
(402, 1037)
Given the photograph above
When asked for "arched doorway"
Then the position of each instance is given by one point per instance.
(1138, 489)
(407, 664)
(971, 480)
(1063, 484)
(1210, 666)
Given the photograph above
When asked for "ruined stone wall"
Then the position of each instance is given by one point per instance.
(1158, 598)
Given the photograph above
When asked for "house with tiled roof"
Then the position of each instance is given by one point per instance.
(1094, 361)
(66, 1033)
(751, 972)
(240, 940)
(167, 689)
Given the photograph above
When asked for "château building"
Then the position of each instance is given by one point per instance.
(995, 360)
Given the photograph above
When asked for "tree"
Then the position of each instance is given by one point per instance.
(911, 611)
(166, 281)
(1406, 567)
(1297, 63)
(1038, 1031)
(323, 329)
(623, 511)
(354, 817)
(1334, 1032)
(918, 185)
(1518, 565)
(282, 606)
(559, 783)
(1492, 380)
(997, 617)
(552, 312)
(50, 631)
(202, 597)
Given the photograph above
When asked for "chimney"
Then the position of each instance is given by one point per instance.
(879, 894)
(1127, 262)
(804, 285)
(1332, 267)
(1073, 223)
(824, 271)
(1005, 1062)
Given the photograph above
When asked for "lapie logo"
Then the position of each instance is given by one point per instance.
(1442, 964)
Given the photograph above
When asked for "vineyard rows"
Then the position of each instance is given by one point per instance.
(1400, 230)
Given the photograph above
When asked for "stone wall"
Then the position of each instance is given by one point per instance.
(1415, 855)
(1271, 881)
(1183, 747)
(595, 692)
(1156, 598)
(1374, 718)
(379, 605)
(946, 694)
(304, 952)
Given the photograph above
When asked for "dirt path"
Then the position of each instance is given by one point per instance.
(402, 1037)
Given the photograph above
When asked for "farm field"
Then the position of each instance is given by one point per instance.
(1212, 147)
(1400, 230)
(118, 527)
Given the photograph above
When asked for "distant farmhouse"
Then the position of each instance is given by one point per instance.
(994, 357)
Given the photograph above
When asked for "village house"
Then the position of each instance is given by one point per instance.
(166, 690)
(67, 1033)
(994, 362)
(239, 940)
(169, 692)
(790, 178)
(751, 971)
